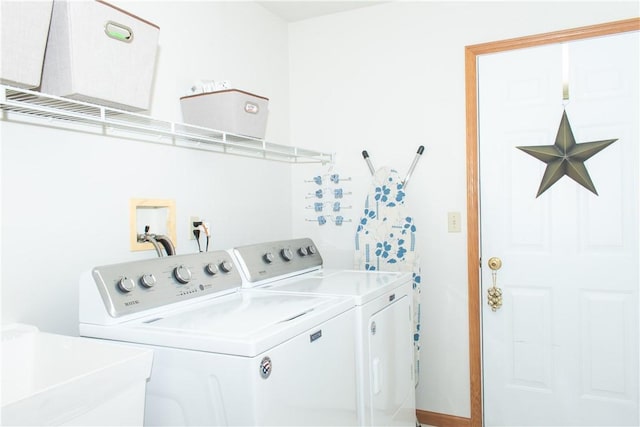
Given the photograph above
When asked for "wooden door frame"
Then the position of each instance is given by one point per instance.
(473, 229)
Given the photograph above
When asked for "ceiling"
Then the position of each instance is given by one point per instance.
(292, 11)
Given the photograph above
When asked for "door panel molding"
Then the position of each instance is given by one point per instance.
(473, 235)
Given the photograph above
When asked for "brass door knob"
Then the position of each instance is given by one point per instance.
(494, 263)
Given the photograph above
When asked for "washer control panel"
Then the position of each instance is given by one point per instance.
(141, 285)
(268, 260)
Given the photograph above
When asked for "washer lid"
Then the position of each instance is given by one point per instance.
(363, 286)
(244, 323)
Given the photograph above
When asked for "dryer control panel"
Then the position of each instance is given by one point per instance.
(138, 286)
(271, 260)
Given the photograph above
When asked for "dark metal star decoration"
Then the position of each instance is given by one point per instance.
(566, 157)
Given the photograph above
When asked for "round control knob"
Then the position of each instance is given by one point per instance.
(268, 257)
(311, 250)
(287, 254)
(182, 274)
(148, 280)
(226, 266)
(126, 285)
(211, 269)
(303, 251)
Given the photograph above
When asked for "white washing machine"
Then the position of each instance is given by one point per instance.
(225, 355)
(384, 325)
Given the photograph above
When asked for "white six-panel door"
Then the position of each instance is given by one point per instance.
(563, 348)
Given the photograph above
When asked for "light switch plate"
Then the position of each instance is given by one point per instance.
(453, 220)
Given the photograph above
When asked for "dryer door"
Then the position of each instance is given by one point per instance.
(392, 392)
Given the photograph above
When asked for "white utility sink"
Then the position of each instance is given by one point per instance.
(50, 379)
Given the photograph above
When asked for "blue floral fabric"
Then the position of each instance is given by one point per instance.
(386, 239)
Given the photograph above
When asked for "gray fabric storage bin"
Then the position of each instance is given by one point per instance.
(24, 26)
(230, 110)
(101, 54)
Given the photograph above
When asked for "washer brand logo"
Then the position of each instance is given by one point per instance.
(265, 367)
(314, 336)
(134, 302)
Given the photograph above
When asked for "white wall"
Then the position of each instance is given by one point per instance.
(387, 79)
(65, 195)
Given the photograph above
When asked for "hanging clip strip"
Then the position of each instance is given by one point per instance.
(322, 219)
(332, 178)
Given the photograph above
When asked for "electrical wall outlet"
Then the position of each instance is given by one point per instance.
(192, 219)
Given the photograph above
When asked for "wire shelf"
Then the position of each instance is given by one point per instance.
(63, 111)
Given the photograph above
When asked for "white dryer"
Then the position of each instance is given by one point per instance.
(384, 325)
(225, 355)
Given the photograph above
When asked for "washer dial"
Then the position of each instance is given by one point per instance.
(212, 269)
(287, 254)
(148, 280)
(182, 274)
(226, 266)
(268, 257)
(126, 285)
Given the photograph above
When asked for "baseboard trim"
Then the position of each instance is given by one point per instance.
(441, 420)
